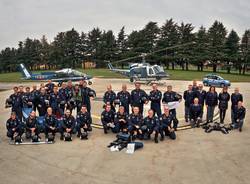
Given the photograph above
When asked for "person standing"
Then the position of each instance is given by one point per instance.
(224, 97)
(211, 103)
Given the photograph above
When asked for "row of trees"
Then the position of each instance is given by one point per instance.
(214, 46)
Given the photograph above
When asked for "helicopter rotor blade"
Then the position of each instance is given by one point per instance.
(150, 53)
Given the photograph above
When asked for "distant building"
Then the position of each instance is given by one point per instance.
(88, 64)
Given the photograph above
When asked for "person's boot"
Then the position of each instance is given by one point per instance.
(156, 138)
(240, 129)
(61, 137)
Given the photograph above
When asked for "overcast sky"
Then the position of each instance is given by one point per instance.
(20, 19)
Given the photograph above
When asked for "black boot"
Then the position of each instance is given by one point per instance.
(156, 138)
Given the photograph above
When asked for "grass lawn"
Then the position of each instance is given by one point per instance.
(105, 73)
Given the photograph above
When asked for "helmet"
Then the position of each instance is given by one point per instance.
(84, 135)
(92, 93)
(117, 102)
(67, 136)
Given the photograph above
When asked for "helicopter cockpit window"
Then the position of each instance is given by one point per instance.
(151, 72)
(158, 69)
(77, 73)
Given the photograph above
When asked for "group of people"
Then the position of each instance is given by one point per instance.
(165, 124)
(54, 108)
(56, 105)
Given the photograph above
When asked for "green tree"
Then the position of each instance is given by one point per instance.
(232, 49)
(245, 49)
(216, 41)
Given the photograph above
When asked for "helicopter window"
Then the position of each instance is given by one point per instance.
(77, 73)
(151, 72)
(158, 69)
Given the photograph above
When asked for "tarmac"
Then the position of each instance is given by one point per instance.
(194, 157)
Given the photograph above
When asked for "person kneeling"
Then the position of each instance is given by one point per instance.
(195, 113)
(107, 119)
(239, 115)
(68, 124)
(135, 121)
(50, 125)
(14, 128)
(83, 123)
(150, 126)
(121, 121)
(165, 125)
(32, 128)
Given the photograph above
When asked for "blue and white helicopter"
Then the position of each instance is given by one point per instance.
(59, 76)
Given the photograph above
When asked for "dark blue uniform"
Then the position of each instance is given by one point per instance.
(82, 120)
(35, 97)
(43, 103)
(31, 123)
(137, 99)
(86, 98)
(201, 95)
(165, 125)
(68, 122)
(224, 97)
(49, 87)
(239, 116)
(27, 100)
(50, 121)
(134, 124)
(149, 125)
(155, 98)
(125, 100)
(54, 101)
(109, 98)
(235, 98)
(189, 99)
(16, 103)
(121, 122)
(107, 118)
(63, 99)
(211, 102)
(172, 97)
(195, 114)
(16, 125)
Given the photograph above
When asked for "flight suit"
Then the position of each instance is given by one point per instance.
(49, 88)
(54, 101)
(125, 99)
(134, 124)
(35, 96)
(14, 124)
(67, 122)
(171, 96)
(63, 99)
(211, 102)
(86, 98)
(150, 125)
(239, 116)
(195, 114)
(16, 103)
(138, 98)
(165, 125)
(31, 123)
(223, 98)
(27, 107)
(189, 99)
(121, 122)
(235, 98)
(43, 104)
(107, 119)
(109, 97)
(201, 95)
(83, 119)
(155, 98)
(50, 121)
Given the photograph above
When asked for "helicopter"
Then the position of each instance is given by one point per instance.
(59, 76)
(144, 72)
